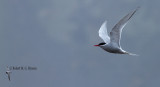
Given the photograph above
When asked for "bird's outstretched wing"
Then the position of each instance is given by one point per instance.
(103, 33)
(115, 34)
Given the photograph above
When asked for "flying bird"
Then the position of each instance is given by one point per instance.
(112, 44)
(8, 72)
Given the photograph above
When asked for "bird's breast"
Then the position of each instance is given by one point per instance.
(112, 49)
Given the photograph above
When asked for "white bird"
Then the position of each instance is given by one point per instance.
(8, 72)
(112, 44)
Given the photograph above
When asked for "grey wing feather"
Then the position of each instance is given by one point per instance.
(103, 33)
(115, 34)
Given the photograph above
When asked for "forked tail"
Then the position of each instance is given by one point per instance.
(131, 54)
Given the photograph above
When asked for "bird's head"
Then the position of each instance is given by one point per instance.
(100, 44)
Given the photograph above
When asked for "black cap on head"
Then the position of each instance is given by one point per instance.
(102, 43)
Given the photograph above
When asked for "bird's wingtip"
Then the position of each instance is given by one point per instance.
(105, 22)
(138, 7)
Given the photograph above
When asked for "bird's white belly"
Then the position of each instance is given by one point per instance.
(112, 49)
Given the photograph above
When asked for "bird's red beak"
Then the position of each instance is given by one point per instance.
(96, 45)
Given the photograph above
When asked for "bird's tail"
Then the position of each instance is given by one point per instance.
(131, 54)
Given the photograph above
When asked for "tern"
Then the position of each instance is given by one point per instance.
(112, 44)
(8, 72)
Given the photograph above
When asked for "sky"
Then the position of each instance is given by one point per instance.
(57, 37)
